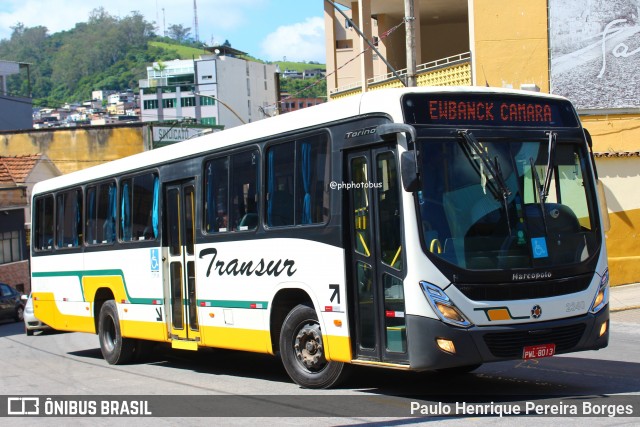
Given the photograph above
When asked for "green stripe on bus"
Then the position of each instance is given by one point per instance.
(98, 273)
(260, 305)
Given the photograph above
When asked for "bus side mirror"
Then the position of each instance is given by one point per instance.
(409, 171)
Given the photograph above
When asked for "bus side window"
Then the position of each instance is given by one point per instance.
(297, 174)
(105, 214)
(216, 190)
(69, 219)
(312, 175)
(143, 201)
(126, 196)
(280, 184)
(43, 224)
(244, 190)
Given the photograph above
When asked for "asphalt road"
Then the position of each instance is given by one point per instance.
(54, 364)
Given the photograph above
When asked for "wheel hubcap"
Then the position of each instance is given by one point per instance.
(309, 349)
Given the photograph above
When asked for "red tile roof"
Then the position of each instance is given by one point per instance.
(15, 169)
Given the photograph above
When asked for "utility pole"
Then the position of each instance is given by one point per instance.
(164, 24)
(410, 29)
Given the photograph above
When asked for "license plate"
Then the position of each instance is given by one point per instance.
(538, 351)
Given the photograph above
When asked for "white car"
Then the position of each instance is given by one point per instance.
(31, 323)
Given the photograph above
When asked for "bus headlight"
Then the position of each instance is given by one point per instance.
(602, 297)
(442, 305)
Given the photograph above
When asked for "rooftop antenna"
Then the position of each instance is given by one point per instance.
(195, 20)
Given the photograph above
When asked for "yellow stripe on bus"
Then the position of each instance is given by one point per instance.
(154, 331)
(257, 341)
(91, 284)
(338, 348)
(46, 310)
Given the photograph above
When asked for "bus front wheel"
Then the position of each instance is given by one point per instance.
(303, 352)
(115, 349)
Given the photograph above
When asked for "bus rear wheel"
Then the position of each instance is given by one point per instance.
(303, 352)
(116, 350)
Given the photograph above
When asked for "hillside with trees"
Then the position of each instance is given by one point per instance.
(104, 53)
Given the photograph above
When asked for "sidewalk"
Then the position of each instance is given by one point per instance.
(624, 297)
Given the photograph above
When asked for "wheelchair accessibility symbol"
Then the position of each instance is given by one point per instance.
(539, 246)
(155, 260)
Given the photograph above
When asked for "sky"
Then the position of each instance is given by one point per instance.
(270, 30)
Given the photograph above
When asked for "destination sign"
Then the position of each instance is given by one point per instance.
(487, 110)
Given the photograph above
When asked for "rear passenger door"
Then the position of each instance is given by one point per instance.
(180, 202)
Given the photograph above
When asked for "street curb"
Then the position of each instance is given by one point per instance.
(631, 307)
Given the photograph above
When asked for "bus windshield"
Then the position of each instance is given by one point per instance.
(497, 203)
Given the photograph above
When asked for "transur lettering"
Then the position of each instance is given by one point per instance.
(247, 268)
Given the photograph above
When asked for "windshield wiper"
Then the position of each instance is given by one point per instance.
(494, 169)
(549, 170)
(541, 196)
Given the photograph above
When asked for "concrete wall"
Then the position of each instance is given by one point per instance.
(509, 43)
(72, 149)
(614, 137)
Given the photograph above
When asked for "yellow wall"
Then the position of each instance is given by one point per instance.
(76, 148)
(621, 178)
(510, 46)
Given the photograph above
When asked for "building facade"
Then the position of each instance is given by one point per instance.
(588, 52)
(18, 174)
(217, 89)
(15, 111)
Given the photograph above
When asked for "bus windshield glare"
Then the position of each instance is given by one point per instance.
(483, 204)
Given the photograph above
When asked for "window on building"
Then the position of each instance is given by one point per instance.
(101, 214)
(208, 120)
(139, 208)
(169, 103)
(231, 192)
(188, 101)
(69, 219)
(150, 104)
(297, 178)
(10, 247)
(344, 44)
(207, 100)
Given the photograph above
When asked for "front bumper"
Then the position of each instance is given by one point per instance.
(482, 344)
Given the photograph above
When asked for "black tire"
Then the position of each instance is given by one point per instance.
(115, 349)
(27, 331)
(302, 351)
(19, 316)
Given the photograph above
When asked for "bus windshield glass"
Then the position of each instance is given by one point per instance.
(496, 203)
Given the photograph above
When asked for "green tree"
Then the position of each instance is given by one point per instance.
(179, 33)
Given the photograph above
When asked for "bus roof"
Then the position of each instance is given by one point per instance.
(378, 101)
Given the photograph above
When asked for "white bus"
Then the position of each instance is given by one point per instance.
(416, 229)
